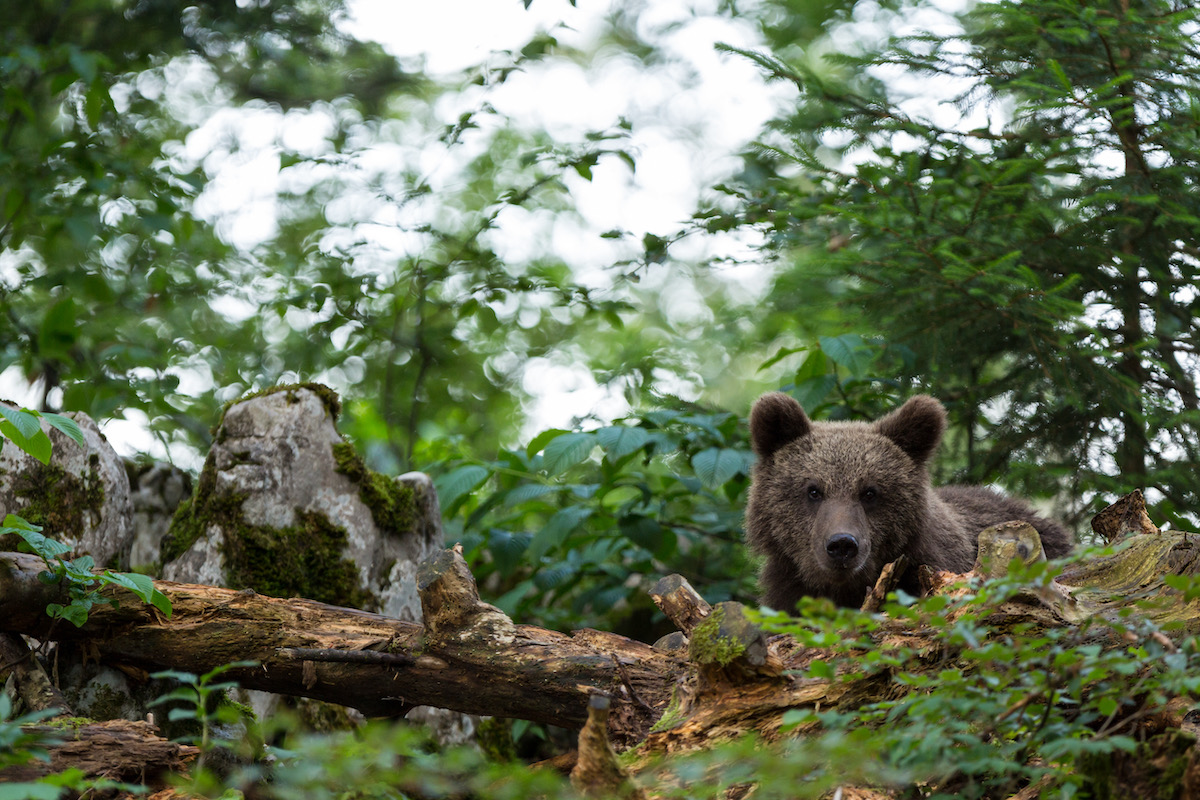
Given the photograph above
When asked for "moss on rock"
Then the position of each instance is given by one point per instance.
(392, 504)
(57, 500)
(333, 403)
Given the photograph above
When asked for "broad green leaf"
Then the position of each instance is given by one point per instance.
(25, 422)
(847, 351)
(527, 492)
(15, 523)
(566, 451)
(37, 445)
(75, 613)
(716, 465)
(621, 440)
(556, 530)
(458, 483)
(143, 587)
(66, 425)
(43, 546)
(543, 439)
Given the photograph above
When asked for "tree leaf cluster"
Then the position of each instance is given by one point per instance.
(578, 524)
(1022, 229)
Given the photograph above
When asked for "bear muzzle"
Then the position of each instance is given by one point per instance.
(842, 549)
(841, 537)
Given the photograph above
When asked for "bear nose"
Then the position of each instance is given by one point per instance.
(842, 548)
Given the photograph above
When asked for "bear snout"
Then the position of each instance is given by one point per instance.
(841, 536)
(842, 549)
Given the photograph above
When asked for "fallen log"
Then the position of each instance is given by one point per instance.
(468, 656)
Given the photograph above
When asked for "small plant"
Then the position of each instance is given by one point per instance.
(82, 584)
(203, 697)
(23, 429)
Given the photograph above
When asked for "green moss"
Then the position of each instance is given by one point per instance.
(57, 500)
(494, 737)
(392, 504)
(301, 560)
(194, 515)
(333, 403)
(672, 716)
(706, 645)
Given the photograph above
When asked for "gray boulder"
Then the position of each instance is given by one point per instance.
(81, 498)
(285, 506)
(156, 490)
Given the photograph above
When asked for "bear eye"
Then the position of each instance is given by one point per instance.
(814, 493)
(869, 495)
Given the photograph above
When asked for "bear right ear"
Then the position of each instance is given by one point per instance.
(916, 427)
(775, 420)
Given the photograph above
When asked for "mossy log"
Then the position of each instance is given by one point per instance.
(468, 656)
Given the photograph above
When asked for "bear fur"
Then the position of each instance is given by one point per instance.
(831, 503)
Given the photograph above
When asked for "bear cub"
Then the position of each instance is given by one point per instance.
(831, 503)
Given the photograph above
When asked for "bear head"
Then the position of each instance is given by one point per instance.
(831, 503)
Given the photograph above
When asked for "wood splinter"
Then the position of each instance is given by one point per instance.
(681, 604)
(597, 773)
(450, 598)
(889, 579)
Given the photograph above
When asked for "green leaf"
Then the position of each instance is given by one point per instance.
(526, 492)
(820, 669)
(44, 547)
(25, 422)
(621, 440)
(566, 451)
(143, 587)
(556, 530)
(66, 425)
(542, 439)
(848, 351)
(716, 465)
(459, 482)
(38, 445)
(75, 613)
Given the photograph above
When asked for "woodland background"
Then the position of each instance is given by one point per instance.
(995, 203)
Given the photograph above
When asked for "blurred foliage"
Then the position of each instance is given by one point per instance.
(575, 528)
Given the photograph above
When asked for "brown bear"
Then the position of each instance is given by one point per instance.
(832, 502)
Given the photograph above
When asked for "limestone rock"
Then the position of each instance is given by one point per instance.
(81, 498)
(286, 507)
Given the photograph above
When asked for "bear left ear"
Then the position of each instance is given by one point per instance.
(916, 427)
(775, 420)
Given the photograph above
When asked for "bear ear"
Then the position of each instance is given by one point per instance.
(775, 420)
(916, 427)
